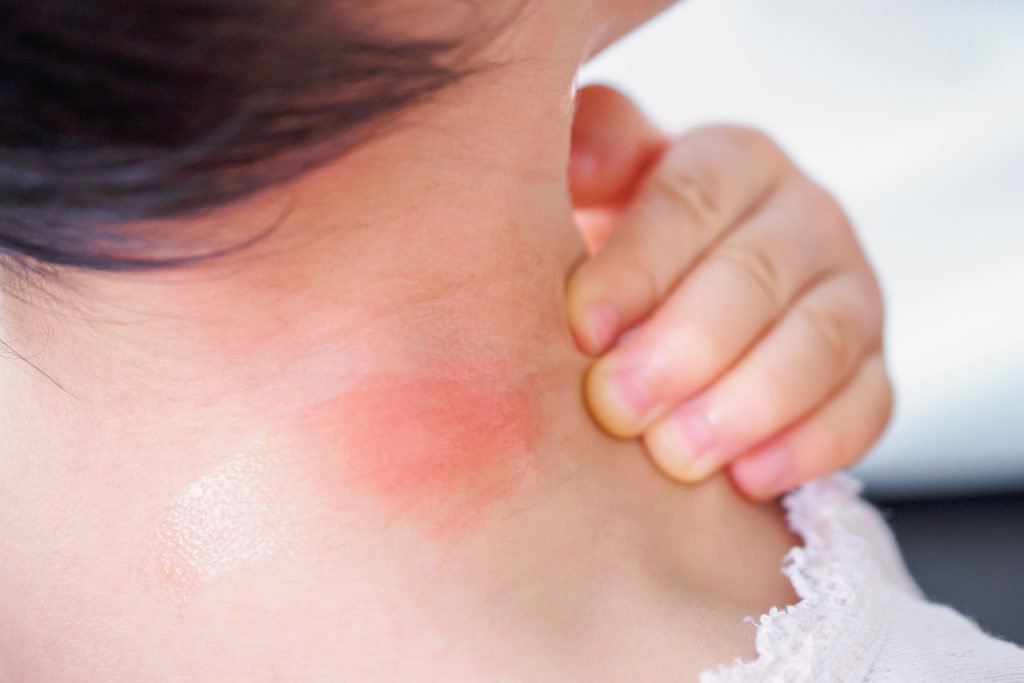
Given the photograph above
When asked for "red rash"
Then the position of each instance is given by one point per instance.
(437, 450)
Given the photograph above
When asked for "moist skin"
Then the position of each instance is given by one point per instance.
(230, 518)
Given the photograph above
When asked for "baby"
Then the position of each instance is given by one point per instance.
(294, 391)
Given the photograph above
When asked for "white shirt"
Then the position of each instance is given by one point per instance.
(861, 618)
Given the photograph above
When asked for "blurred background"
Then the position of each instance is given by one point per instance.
(912, 113)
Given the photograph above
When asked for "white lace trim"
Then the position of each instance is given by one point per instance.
(836, 630)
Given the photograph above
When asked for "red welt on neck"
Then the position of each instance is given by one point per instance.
(435, 450)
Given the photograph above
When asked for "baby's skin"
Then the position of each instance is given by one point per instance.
(360, 450)
(750, 319)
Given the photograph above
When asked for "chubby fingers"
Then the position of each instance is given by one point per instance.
(720, 310)
(754, 320)
(697, 191)
(818, 348)
(832, 437)
(769, 345)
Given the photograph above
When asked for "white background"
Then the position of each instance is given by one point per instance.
(912, 113)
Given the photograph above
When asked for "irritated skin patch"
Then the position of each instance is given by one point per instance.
(431, 452)
(437, 450)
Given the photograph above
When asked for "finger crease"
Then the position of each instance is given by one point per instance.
(761, 269)
(688, 193)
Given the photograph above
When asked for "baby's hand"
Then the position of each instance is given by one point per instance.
(754, 320)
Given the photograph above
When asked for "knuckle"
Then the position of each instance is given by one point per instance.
(749, 138)
(867, 301)
(746, 142)
(836, 333)
(683, 189)
(757, 265)
(758, 143)
(828, 212)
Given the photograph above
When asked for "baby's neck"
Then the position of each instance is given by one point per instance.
(330, 487)
(360, 437)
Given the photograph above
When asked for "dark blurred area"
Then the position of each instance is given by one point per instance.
(967, 552)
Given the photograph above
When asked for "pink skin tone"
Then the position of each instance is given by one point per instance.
(397, 359)
(736, 321)
(438, 450)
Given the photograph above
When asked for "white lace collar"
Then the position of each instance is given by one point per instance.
(836, 630)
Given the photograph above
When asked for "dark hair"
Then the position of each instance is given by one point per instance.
(114, 111)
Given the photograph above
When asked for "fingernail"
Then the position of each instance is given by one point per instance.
(631, 395)
(619, 399)
(602, 322)
(766, 471)
(681, 443)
